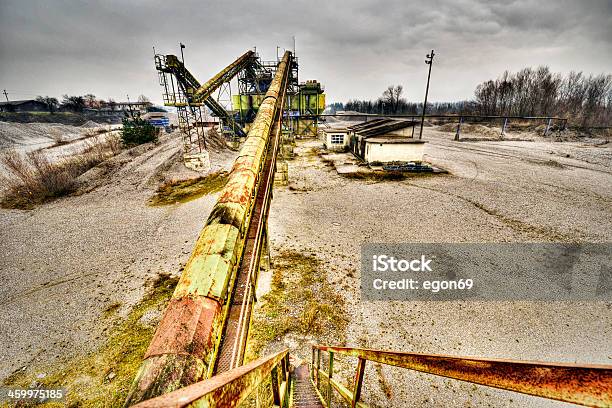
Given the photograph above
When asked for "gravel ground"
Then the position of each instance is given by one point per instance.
(63, 263)
(511, 191)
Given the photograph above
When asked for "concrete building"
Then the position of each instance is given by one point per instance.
(386, 141)
(335, 138)
(29, 105)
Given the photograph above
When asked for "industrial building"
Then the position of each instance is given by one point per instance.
(158, 119)
(386, 141)
(335, 138)
(29, 105)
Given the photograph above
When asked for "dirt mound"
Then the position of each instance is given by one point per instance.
(13, 134)
(215, 141)
(90, 124)
(471, 129)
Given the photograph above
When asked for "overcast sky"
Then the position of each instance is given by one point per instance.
(354, 48)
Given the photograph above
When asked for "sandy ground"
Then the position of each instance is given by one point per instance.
(63, 263)
(497, 192)
(26, 137)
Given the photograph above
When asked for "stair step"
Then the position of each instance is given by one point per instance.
(304, 394)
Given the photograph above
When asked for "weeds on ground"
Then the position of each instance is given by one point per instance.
(102, 378)
(186, 190)
(301, 301)
(34, 178)
(377, 175)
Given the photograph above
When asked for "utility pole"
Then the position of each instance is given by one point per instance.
(6, 95)
(428, 61)
(182, 55)
(130, 107)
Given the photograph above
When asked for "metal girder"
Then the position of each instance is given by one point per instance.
(227, 73)
(220, 112)
(197, 93)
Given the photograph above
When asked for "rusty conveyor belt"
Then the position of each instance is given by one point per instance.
(231, 350)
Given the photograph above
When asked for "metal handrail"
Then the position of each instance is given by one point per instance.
(232, 387)
(589, 385)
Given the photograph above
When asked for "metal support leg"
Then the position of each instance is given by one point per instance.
(458, 133)
(329, 385)
(275, 386)
(312, 366)
(547, 127)
(318, 379)
(358, 382)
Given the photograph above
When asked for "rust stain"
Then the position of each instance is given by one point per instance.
(186, 328)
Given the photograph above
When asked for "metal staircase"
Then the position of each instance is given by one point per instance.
(301, 385)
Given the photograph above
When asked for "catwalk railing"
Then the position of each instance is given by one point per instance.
(589, 385)
(233, 387)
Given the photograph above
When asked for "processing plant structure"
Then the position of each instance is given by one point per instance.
(193, 100)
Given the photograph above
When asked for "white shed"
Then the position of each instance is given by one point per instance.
(386, 141)
(336, 138)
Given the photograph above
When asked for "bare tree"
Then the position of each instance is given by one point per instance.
(90, 101)
(51, 103)
(73, 103)
(392, 97)
(145, 100)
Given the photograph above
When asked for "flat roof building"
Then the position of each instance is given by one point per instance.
(335, 138)
(386, 141)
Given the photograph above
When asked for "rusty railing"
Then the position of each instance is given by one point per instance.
(589, 385)
(232, 387)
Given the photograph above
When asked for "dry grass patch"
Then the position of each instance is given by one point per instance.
(182, 191)
(301, 301)
(34, 178)
(103, 377)
(376, 175)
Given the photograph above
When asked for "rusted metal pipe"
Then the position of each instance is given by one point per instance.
(185, 345)
(589, 385)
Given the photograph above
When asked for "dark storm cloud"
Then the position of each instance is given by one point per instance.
(355, 48)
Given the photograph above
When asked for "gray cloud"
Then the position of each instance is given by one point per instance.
(355, 48)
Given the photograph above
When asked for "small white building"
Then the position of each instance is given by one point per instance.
(336, 138)
(394, 149)
(386, 141)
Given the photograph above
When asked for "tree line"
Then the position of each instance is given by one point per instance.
(78, 103)
(585, 100)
